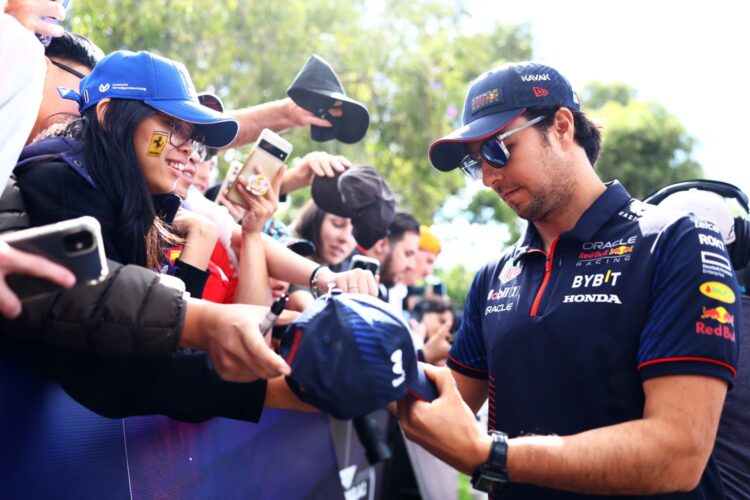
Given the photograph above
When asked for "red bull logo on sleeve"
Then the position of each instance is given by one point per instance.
(725, 328)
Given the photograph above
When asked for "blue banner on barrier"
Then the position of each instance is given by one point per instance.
(54, 447)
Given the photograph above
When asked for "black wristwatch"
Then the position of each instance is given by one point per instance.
(492, 476)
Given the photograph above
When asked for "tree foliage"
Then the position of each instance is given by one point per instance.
(408, 62)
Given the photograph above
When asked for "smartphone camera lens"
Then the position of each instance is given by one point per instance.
(78, 242)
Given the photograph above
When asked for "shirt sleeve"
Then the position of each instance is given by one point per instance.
(694, 319)
(468, 354)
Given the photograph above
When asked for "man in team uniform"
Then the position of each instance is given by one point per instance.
(605, 339)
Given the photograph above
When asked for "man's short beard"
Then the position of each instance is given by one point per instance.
(386, 277)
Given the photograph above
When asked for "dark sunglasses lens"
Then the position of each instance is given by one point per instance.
(493, 153)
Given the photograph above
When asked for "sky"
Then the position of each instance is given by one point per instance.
(691, 57)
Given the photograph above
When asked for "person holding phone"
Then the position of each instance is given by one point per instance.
(119, 163)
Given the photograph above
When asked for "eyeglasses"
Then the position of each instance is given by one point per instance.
(493, 151)
(67, 68)
(181, 132)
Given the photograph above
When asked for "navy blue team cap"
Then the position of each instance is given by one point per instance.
(495, 99)
(161, 83)
(351, 355)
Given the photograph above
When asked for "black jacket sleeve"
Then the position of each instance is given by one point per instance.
(130, 313)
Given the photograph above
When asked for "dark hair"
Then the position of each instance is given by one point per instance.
(403, 222)
(210, 153)
(113, 165)
(307, 225)
(587, 134)
(74, 48)
(432, 305)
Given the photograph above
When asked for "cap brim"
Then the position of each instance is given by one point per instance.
(420, 386)
(304, 248)
(219, 129)
(326, 195)
(447, 152)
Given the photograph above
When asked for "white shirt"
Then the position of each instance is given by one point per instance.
(21, 89)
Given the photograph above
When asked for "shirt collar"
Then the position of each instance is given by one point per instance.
(613, 199)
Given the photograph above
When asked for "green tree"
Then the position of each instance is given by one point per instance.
(409, 63)
(644, 146)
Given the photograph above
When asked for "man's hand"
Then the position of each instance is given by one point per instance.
(229, 334)
(29, 13)
(316, 163)
(436, 348)
(446, 427)
(13, 261)
(352, 281)
(300, 117)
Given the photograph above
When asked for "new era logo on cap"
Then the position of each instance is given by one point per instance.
(540, 92)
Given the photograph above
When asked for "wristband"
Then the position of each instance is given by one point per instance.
(314, 280)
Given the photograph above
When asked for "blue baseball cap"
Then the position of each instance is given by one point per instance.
(495, 99)
(161, 83)
(351, 355)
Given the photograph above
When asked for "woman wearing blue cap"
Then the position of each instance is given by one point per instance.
(141, 120)
(119, 163)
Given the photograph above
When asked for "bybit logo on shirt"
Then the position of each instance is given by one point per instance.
(595, 280)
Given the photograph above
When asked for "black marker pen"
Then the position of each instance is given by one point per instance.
(273, 314)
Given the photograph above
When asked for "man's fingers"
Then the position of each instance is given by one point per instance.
(265, 362)
(13, 261)
(10, 306)
(441, 377)
(311, 119)
(277, 180)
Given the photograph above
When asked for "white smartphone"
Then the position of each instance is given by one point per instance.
(76, 244)
(270, 152)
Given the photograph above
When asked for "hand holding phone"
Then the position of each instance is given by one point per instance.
(269, 153)
(75, 244)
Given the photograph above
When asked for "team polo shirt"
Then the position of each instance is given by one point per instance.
(567, 338)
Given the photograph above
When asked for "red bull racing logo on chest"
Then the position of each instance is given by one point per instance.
(606, 252)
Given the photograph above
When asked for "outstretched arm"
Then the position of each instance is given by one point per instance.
(666, 450)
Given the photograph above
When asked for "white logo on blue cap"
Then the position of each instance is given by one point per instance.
(103, 87)
(86, 96)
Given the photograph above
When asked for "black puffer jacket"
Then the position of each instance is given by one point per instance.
(113, 346)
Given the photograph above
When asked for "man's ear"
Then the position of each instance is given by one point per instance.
(101, 109)
(563, 125)
(380, 249)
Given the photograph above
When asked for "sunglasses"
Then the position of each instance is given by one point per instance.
(493, 151)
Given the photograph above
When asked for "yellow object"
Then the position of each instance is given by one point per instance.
(158, 143)
(428, 241)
